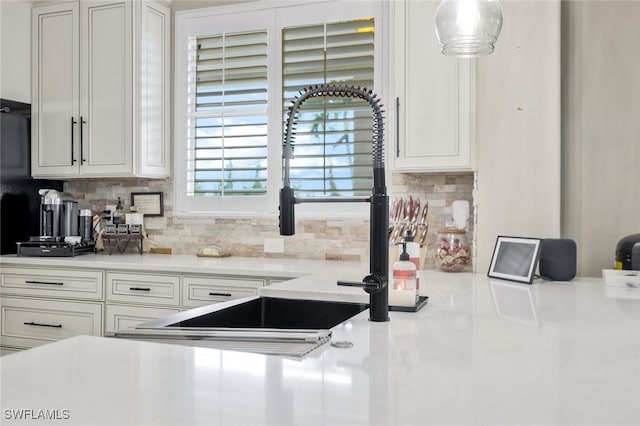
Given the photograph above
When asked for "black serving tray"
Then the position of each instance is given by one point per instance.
(52, 249)
(422, 300)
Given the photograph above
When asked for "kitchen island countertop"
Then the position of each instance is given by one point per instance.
(482, 351)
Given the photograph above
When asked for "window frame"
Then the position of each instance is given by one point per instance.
(248, 17)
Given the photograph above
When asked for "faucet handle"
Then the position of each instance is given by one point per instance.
(371, 283)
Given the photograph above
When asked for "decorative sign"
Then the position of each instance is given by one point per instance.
(148, 203)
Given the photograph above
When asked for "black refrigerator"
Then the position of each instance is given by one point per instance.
(19, 198)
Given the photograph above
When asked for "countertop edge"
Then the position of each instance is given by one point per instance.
(188, 264)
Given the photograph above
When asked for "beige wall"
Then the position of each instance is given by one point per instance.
(601, 128)
(518, 128)
(558, 136)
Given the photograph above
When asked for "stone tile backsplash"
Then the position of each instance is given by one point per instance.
(315, 239)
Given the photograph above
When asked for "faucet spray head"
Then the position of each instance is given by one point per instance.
(287, 211)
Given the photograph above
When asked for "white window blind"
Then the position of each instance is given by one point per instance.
(333, 139)
(235, 67)
(227, 135)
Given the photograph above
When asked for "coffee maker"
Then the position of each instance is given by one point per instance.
(58, 215)
(60, 220)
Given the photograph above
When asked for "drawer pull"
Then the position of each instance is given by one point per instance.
(43, 282)
(37, 324)
(139, 289)
(220, 294)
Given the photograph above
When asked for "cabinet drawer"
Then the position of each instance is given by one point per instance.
(120, 317)
(65, 283)
(33, 322)
(6, 351)
(199, 291)
(146, 289)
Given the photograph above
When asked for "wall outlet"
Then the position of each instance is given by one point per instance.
(274, 245)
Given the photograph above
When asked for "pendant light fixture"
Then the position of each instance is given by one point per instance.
(468, 28)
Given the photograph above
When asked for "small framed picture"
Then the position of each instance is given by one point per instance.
(515, 259)
(148, 203)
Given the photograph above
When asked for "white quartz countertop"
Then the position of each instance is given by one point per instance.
(253, 266)
(482, 352)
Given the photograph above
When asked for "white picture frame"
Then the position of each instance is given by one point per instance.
(515, 259)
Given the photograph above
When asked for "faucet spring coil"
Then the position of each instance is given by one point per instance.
(339, 91)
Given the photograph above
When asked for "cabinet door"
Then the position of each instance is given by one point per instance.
(122, 317)
(7, 351)
(106, 75)
(31, 322)
(153, 110)
(55, 90)
(434, 96)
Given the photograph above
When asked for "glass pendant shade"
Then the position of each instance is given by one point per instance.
(468, 28)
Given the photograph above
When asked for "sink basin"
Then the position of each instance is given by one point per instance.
(267, 312)
(268, 325)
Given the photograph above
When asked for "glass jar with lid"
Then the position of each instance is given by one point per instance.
(452, 250)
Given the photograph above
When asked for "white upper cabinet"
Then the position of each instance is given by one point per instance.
(433, 98)
(100, 89)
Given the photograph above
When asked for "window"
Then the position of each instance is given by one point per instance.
(227, 134)
(236, 67)
(333, 139)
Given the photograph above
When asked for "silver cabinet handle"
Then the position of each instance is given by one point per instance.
(73, 160)
(398, 127)
(82, 123)
(43, 282)
(37, 324)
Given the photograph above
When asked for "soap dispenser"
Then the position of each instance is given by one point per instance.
(413, 249)
(404, 291)
(118, 215)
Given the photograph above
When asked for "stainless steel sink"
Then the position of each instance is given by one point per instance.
(269, 325)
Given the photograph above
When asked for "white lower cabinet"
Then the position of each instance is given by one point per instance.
(41, 304)
(135, 298)
(58, 283)
(146, 289)
(7, 350)
(199, 291)
(123, 317)
(32, 322)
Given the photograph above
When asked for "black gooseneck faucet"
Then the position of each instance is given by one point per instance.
(376, 283)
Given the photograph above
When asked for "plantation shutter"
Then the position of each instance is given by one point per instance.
(333, 139)
(227, 129)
